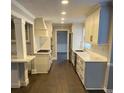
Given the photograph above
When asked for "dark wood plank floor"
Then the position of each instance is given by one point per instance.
(61, 79)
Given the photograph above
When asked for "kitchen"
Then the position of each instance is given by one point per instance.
(34, 48)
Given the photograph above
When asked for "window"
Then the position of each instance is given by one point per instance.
(27, 31)
(28, 27)
(13, 38)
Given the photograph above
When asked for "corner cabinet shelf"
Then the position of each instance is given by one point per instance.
(97, 25)
(91, 74)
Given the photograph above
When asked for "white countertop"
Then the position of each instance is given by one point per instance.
(89, 56)
(14, 59)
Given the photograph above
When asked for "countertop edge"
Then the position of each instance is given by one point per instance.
(26, 60)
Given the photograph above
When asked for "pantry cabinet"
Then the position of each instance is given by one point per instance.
(97, 25)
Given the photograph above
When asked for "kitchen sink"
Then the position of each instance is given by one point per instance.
(79, 50)
(43, 51)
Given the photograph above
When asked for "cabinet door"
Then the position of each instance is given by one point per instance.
(91, 28)
(95, 74)
(88, 29)
(95, 26)
(41, 63)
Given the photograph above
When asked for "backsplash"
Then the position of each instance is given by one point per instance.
(101, 49)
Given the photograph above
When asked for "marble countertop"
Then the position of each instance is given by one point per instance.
(89, 56)
(14, 59)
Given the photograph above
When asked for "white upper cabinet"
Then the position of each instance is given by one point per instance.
(97, 25)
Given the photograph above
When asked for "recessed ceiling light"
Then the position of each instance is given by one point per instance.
(65, 2)
(63, 13)
(62, 18)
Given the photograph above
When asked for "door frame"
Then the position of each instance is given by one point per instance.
(62, 30)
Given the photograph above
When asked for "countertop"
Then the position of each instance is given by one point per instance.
(89, 56)
(14, 59)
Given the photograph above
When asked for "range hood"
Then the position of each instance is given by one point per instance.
(39, 24)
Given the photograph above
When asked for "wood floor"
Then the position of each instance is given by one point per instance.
(61, 79)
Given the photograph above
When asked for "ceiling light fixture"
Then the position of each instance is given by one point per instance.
(63, 13)
(62, 18)
(64, 2)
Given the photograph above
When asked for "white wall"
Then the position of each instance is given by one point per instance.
(77, 30)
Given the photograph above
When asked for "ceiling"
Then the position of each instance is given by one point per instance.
(51, 9)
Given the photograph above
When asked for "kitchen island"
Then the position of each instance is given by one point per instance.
(42, 62)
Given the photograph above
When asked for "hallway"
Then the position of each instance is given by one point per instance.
(61, 79)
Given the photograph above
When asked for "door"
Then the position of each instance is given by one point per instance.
(61, 46)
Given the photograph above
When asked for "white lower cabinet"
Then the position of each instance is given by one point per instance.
(80, 68)
(92, 74)
(42, 63)
(73, 58)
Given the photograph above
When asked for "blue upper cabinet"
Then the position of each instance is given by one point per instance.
(97, 24)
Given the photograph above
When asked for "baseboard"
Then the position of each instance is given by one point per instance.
(108, 90)
(54, 58)
(25, 83)
(105, 90)
(36, 72)
(33, 71)
(41, 72)
(15, 85)
(94, 88)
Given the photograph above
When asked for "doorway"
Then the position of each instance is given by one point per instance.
(62, 46)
